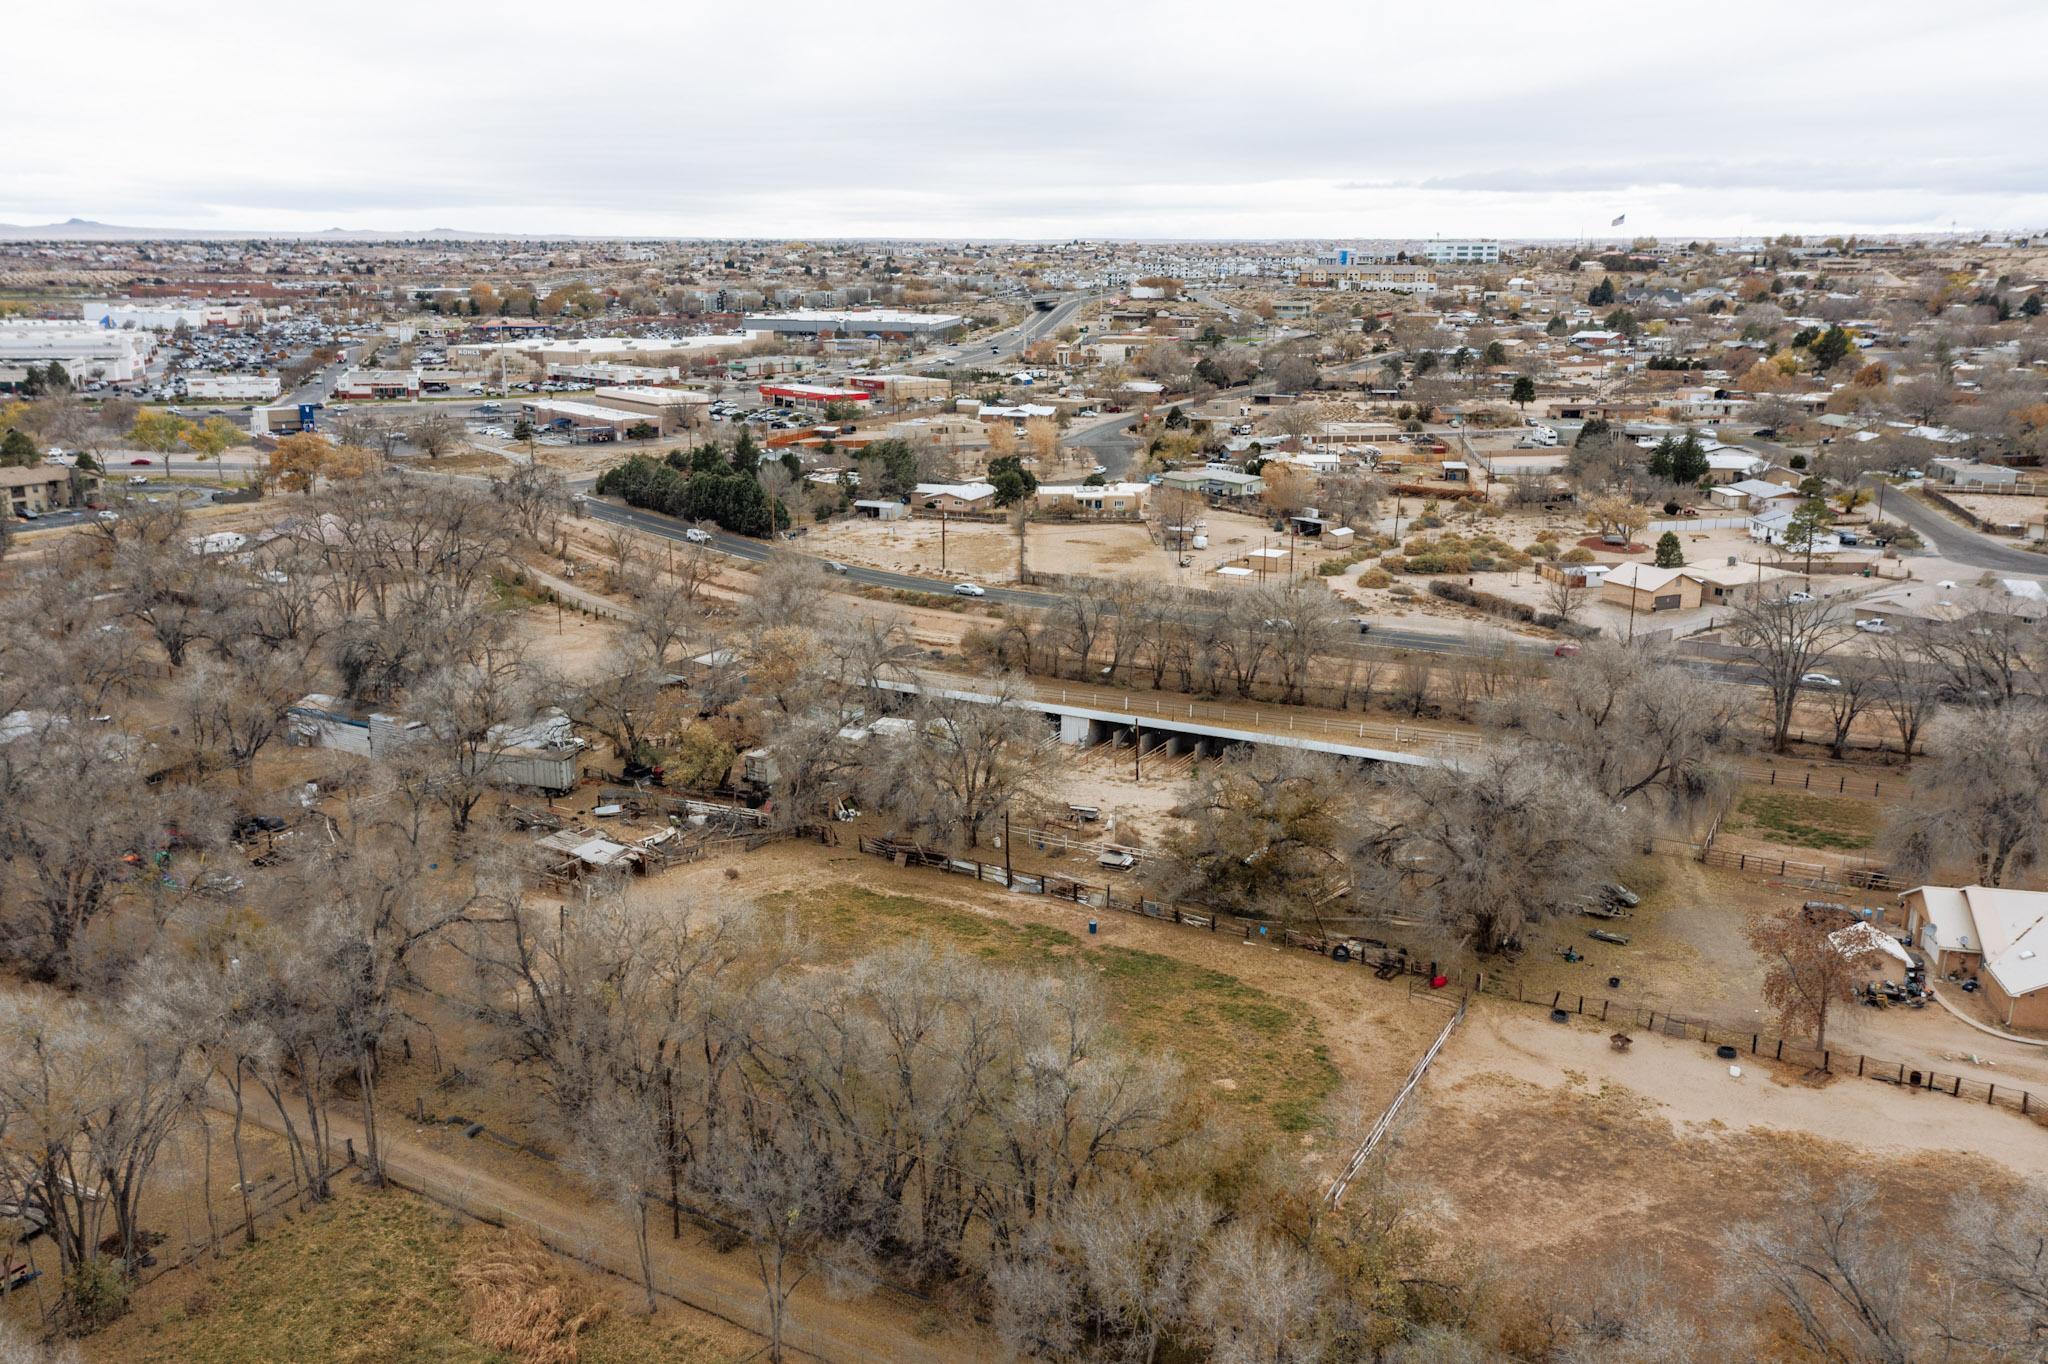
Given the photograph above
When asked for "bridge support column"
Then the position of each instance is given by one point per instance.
(1077, 730)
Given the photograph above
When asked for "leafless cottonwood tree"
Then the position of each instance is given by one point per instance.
(1267, 832)
(1784, 640)
(1490, 847)
(1982, 796)
(1805, 978)
(967, 762)
(1631, 723)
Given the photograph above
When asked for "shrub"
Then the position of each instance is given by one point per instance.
(1543, 549)
(1375, 577)
(1577, 554)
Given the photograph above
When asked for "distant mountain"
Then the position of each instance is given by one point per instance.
(86, 230)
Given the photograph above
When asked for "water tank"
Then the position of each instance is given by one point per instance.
(1200, 542)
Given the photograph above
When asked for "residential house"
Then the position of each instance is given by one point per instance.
(1101, 499)
(1753, 495)
(1645, 587)
(1215, 481)
(954, 497)
(31, 490)
(1731, 464)
(1771, 526)
(1999, 936)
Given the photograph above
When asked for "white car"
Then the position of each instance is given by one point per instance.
(1799, 596)
(1874, 626)
(1819, 680)
(697, 537)
(969, 590)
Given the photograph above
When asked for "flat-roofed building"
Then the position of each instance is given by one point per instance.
(233, 387)
(901, 389)
(670, 409)
(814, 397)
(378, 383)
(885, 323)
(109, 354)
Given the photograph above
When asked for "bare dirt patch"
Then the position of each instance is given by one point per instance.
(1553, 1149)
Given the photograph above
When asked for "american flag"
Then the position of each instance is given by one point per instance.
(1619, 221)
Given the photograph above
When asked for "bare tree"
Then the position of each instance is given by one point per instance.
(1983, 797)
(967, 762)
(1783, 639)
(1846, 1285)
(1631, 722)
(1267, 832)
(1490, 847)
(1904, 690)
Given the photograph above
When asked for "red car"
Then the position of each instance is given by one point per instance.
(143, 461)
(1565, 650)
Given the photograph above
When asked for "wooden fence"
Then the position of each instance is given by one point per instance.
(1607, 1010)
(1342, 1183)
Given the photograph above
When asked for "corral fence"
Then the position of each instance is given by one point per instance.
(1821, 783)
(1426, 975)
(1747, 1042)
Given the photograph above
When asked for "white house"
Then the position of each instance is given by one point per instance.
(1771, 526)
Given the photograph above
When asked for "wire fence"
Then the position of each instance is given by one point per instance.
(1740, 1041)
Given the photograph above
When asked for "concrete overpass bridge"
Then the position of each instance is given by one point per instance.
(1084, 718)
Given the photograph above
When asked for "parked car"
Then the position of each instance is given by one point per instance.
(1799, 596)
(1874, 626)
(969, 590)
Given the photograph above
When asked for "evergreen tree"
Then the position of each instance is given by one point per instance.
(1524, 391)
(1661, 457)
(1669, 553)
(1602, 293)
(17, 450)
(1689, 458)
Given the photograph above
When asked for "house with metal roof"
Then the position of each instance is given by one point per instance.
(1997, 936)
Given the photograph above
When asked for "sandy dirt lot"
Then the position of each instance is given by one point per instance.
(987, 551)
(2002, 510)
(1557, 1150)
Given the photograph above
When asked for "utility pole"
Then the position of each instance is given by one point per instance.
(1009, 878)
(1137, 750)
(942, 542)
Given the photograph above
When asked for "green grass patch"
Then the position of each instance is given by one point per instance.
(1807, 821)
(1250, 1049)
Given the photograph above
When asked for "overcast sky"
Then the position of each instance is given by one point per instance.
(1279, 119)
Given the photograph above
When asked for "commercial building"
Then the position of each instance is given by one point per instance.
(87, 353)
(168, 314)
(889, 324)
(903, 389)
(378, 383)
(1461, 252)
(1999, 936)
(583, 421)
(813, 397)
(597, 372)
(232, 387)
(670, 409)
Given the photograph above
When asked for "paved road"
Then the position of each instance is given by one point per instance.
(1953, 540)
(760, 551)
(1004, 345)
